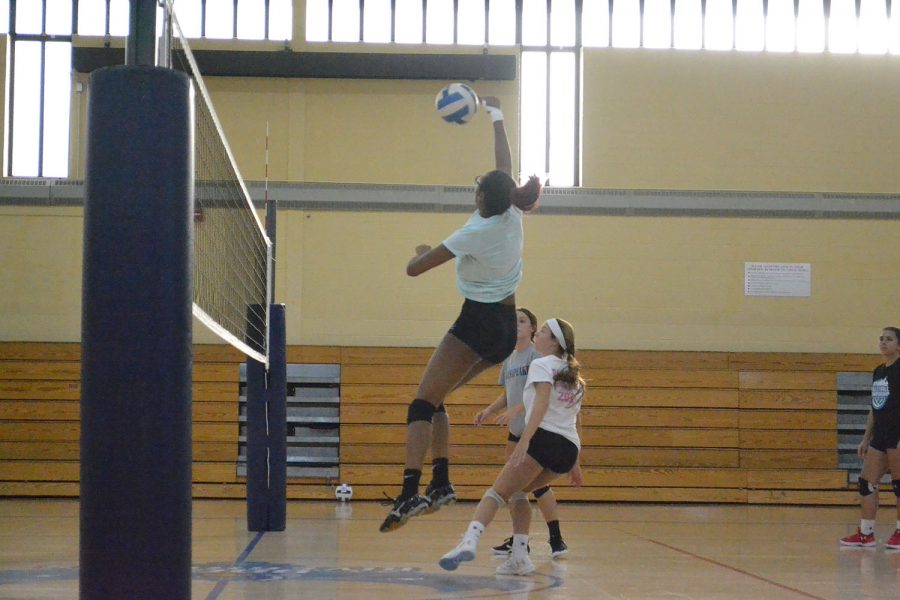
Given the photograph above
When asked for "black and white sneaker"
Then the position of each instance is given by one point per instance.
(558, 547)
(506, 547)
(403, 511)
(439, 496)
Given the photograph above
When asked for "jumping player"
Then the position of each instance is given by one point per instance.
(488, 253)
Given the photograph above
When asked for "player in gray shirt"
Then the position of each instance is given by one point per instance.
(510, 411)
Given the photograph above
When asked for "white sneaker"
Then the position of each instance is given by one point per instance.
(464, 552)
(516, 566)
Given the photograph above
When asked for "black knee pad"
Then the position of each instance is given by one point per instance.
(441, 409)
(540, 491)
(895, 483)
(866, 488)
(419, 410)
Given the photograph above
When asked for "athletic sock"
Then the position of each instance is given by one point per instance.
(440, 472)
(474, 532)
(411, 479)
(520, 545)
(867, 526)
(553, 526)
(898, 525)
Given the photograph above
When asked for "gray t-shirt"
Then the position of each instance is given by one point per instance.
(513, 376)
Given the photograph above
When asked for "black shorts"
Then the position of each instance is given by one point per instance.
(488, 329)
(513, 438)
(553, 451)
(885, 440)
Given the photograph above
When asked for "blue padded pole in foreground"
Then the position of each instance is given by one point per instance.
(267, 432)
(136, 337)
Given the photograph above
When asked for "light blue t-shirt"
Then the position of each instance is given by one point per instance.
(488, 255)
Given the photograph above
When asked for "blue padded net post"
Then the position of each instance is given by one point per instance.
(135, 520)
(267, 432)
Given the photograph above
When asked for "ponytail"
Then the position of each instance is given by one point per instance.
(526, 196)
(571, 374)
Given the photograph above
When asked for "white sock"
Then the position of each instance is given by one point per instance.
(867, 526)
(520, 545)
(898, 525)
(474, 531)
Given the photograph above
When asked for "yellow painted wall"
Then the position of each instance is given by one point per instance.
(360, 131)
(40, 291)
(669, 119)
(626, 282)
(652, 119)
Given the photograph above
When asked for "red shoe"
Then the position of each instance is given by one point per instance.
(894, 541)
(866, 541)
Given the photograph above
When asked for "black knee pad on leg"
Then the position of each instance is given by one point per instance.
(866, 488)
(895, 483)
(420, 410)
(540, 491)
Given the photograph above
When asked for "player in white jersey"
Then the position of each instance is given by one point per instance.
(549, 446)
(508, 409)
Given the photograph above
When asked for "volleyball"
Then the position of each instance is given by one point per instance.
(343, 492)
(457, 103)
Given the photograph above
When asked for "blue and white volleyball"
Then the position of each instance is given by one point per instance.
(457, 103)
(343, 492)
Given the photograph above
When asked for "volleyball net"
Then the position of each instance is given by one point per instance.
(232, 253)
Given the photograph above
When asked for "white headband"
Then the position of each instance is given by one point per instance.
(553, 324)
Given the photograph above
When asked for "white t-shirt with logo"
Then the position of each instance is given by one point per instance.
(488, 255)
(565, 400)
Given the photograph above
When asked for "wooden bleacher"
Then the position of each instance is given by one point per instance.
(657, 426)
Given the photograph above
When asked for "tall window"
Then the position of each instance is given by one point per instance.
(40, 62)
(40, 71)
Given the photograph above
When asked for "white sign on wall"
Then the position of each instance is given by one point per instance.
(777, 279)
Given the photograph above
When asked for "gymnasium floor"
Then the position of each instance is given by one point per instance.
(634, 552)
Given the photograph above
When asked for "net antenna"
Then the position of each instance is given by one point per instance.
(232, 272)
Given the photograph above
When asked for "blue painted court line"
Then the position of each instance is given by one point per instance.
(220, 586)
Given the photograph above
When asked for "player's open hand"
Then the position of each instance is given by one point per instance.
(576, 477)
(518, 455)
(503, 418)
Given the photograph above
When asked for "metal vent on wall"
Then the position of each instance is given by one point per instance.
(313, 421)
(854, 401)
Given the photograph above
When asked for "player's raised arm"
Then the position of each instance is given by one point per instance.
(502, 154)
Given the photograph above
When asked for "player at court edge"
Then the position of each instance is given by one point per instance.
(488, 253)
(878, 448)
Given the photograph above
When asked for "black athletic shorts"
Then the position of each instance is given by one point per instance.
(553, 451)
(885, 440)
(488, 329)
